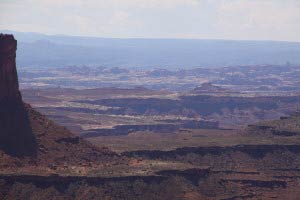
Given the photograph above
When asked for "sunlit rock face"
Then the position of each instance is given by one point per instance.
(16, 137)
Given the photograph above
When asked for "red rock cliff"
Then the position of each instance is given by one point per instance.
(9, 86)
(16, 136)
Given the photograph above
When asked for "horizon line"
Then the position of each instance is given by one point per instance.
(141, 38)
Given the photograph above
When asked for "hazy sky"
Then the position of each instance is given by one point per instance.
(215, 19)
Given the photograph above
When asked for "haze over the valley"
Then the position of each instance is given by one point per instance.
(174, 24)
(40, 50)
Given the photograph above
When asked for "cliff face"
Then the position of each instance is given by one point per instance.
(9, 86)
(25, 133)
(16, 136)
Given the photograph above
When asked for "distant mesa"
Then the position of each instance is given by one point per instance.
(286, 126)
(209, 88)
(160, 73)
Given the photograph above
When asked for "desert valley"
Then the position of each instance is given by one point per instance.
(125, 134)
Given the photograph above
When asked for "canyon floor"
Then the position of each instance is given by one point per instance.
(140, 143)
(253, 163)
(258, 161)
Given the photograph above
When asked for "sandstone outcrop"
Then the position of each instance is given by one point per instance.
(9, 86)
(15, 132)
(29, 136)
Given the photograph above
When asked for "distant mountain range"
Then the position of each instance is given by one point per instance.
(39, 50)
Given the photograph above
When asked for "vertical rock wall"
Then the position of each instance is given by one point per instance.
(9, 86)
(16, 137)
